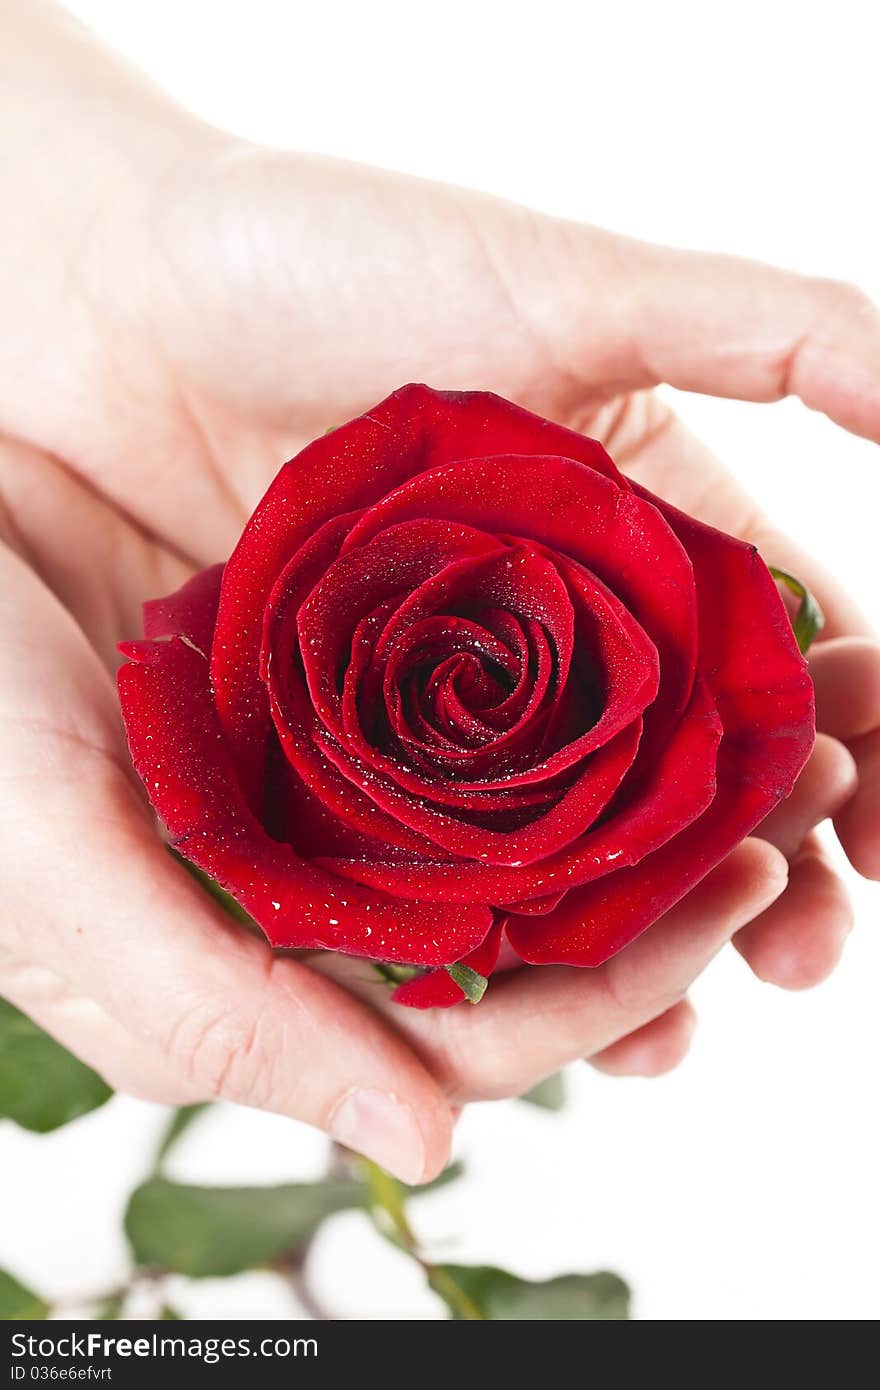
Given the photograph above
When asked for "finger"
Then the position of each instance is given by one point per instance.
(826, 783)
(798, 940)
(133, 931)
(82, 569)
(535, 1020)
(858, 822)
(652, 1050)
(125, 1062)
(666, 457)
(846, 675)
(726, 326)
(845, 664)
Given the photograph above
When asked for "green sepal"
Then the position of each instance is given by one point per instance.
(472, 985)
(809, 619)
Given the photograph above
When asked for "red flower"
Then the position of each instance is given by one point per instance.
(460, 678)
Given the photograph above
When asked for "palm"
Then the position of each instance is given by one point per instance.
(273, 343)
(256, 351)
(250, 337)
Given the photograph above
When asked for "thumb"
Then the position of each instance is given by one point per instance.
(720, 325)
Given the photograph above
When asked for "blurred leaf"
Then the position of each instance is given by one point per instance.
(169, 1314)
(549, 1094)
(809, 619)
(42, 1085)
(208, 1232)
(18, 1304)
(504, 1297)
(470, 982)
(177, 1126)
(110, 1307)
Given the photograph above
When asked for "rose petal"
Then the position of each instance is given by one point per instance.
(763, 692)
(179, 752)
(670, 796)
(287, 626)
(748, 652)
(549, 832)
(447, 641)
(536, 907)
(412, 430)
(619, 537)
(320, 778)
(422, 558)
(494, 575)
(530, 585)
(191, 611)
(592, 923)
(338, 822)
(437, 989)
(297, 731)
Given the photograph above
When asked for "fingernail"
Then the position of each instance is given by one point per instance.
(381, 1128)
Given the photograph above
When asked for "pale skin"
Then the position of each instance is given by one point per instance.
(180, 313)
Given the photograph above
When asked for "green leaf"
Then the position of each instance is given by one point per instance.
(472, 985)
(212, 887)
(549, 1094)
(18, 1304)
(809, 619)
(42, 1085)
(169, 1314)
(210, 1232)
(505, 1297)
(111, 1307)
(177, 1126)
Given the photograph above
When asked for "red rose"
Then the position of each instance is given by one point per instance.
(460, 677)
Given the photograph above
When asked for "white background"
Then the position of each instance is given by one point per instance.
(745, 1185)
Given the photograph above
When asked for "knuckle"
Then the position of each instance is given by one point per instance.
(671, 1052)
(636, 995)
(222, 1053)
(475, 1068)
(842, 298)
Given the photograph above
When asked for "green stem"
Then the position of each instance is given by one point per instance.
(453, 1296)
(387, 1206)
(386, 1196)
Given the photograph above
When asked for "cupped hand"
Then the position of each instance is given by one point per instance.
(236, 303)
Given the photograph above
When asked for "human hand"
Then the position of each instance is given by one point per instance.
(236, 303)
